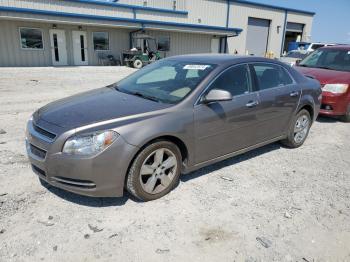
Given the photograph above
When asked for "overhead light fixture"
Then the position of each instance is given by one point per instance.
(278, 29)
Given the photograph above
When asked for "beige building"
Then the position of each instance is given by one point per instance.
(80, 32)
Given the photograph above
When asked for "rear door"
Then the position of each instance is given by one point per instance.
(225, 127)
(279, 96)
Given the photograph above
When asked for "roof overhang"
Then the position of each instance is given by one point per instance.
(132, 22)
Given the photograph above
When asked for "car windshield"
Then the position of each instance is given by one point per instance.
(166, 81)
(333, 59)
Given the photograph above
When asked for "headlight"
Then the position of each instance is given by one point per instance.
(89, 144)
(335, 88)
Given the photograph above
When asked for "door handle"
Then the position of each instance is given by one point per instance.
(251, 104)
(294, 93)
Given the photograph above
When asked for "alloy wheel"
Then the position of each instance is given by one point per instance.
(158, 171)
(301, 129)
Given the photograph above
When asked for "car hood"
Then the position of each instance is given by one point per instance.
(326, 76)
(95, 106)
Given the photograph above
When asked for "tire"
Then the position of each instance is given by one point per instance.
(346, 118)
(296, 139)
(157, 180)
(137, 64)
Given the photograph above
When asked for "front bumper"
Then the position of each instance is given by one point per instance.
(334, 104)
(101, 175)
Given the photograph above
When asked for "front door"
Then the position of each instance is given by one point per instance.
(224, 127)
(80, 51)
(58, 47)
(215, 44)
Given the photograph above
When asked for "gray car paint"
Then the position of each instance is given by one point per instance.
(208, 132)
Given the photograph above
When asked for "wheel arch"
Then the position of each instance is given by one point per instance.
(308, 108)
(171, 138)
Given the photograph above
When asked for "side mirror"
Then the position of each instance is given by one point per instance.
(217, 95)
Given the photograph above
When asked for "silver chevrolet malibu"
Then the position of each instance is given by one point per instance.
(171, 117)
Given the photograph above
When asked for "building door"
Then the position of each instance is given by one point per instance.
(294, 33)
(80, 51)
(215, 44)
(257, 36)
(58, 47)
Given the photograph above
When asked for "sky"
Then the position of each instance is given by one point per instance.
(332, 20)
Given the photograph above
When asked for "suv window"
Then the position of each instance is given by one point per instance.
(236, 80)
(316, 46)
(270, 75)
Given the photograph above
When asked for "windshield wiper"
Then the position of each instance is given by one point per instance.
(303, 65)
(152, 98)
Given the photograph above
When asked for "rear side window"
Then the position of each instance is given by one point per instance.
(236, 80)
(270, 76)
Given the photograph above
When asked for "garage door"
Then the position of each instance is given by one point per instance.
(295, 27)
(257, 36)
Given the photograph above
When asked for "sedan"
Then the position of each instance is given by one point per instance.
(170, 118)
(331, 66)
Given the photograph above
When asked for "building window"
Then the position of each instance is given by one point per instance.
(101, 41)
(164, 43)
(31, 38)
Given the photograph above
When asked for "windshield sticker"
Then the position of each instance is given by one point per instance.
(196, 67)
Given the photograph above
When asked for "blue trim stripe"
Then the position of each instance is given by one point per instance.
(273, 7)
(133, 7)
(142, 22)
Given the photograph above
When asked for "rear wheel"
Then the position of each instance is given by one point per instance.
(346, 117)
(155, 171)
(299, 130)
(138, 64)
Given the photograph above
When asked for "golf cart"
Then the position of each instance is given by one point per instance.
(143, 52)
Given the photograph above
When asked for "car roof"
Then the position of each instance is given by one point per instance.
(339, 47)
(220, 58)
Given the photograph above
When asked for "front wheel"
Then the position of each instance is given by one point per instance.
(298, 130)
(155, 171)
(138, 64)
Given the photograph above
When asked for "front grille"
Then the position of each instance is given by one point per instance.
(38, 170)
(37, 151)
(85, 184)
(44, 132)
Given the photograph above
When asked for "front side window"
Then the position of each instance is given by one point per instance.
(270, 76)
(165, 81)
(333, 59)
(31, 38)
(101, 41)
(235, 80)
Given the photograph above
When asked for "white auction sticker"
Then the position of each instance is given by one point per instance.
(196, 67)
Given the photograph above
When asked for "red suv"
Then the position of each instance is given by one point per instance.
(331, 66)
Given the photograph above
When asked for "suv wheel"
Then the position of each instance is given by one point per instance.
(299, 130)
(155, 171)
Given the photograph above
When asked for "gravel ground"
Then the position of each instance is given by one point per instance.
(271, 204)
